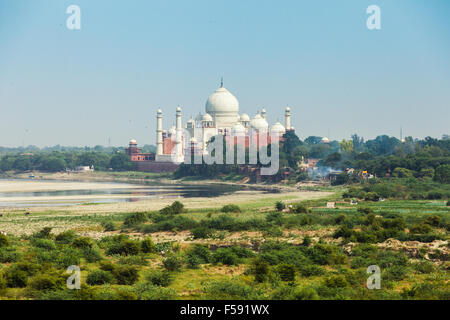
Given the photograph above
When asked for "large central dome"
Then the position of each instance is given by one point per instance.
(223, 107)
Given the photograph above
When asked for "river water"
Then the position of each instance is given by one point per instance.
(26, 193)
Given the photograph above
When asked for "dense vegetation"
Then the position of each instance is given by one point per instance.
(316, 265)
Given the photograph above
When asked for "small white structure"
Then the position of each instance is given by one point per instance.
(84, 168)
(331, 205)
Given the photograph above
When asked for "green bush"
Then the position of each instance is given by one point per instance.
(66, 237)
(47, 282)
(202, 232)
(230, 208)
(147, 246)
(109, 226)
(92, 254)
(44, 233)
(135, 218)
(4, 240)
(420, 228)
(175, 208)
(99, 277)
(82, 242)
(434, 221)
(260, 269)
(298, 208)
(229, 290)
(286, 272)
(45, 244)
(280, 206)
(173, 263)
(16, 278)
(8, 255)
(123, 246)
(225, 256)
(126, 274)
(372, 196)
(160, 278)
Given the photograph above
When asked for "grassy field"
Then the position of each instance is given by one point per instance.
(306, 251)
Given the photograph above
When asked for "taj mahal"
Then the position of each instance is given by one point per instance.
(221, 117)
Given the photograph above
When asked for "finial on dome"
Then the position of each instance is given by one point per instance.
(221, 82)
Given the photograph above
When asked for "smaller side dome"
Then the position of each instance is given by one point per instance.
(288, 109)
(259, 123)
(159, 111)
(207, 117)
(325, 140)
(237, 129)
(178, 109)
(245, 117)
(278, 128)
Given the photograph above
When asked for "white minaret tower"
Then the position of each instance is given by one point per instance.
(159, 139)
(263, 113)
(178, 142)
(287, 117)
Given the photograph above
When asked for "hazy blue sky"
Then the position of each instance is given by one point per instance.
(81, 87)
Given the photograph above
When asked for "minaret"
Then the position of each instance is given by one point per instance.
(159, 139)
(287, 117)
(179, 145)
(263, 113)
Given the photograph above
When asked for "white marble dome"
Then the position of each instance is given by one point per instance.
(245, 117)
(259, 123)
(207, 117)
(222, 101)
(278, 128)
(133, 141)
(237, 129)
(223, 107)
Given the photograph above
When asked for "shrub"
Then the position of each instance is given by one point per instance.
(47, 282)
(228, 290)
(286, 272)
(280, 206)
(4, 240)
(298, 208)
(420, 228)
(66, 237)
(434, 221)
(160, 278)
(68, 257)
(260, 269)
(147, 246)
(200, 252)
(225, 256)
(434, 195)
(230, 208)
(109, 226)
(92, 254)
(126, 275)
(306, 241)
(124, 247)
(82, 242)
(336, 281)
(364, 210)
(16, 278)
(8, 255)
(134, 260)
(99, 277)
(44, 233)
(175, 208)
(371, 196)
(424, 267)
(134, 219)
(275, 218)
(106, 265)
(305, 293)
(202, 232)
(45, 244)
(173, 263)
